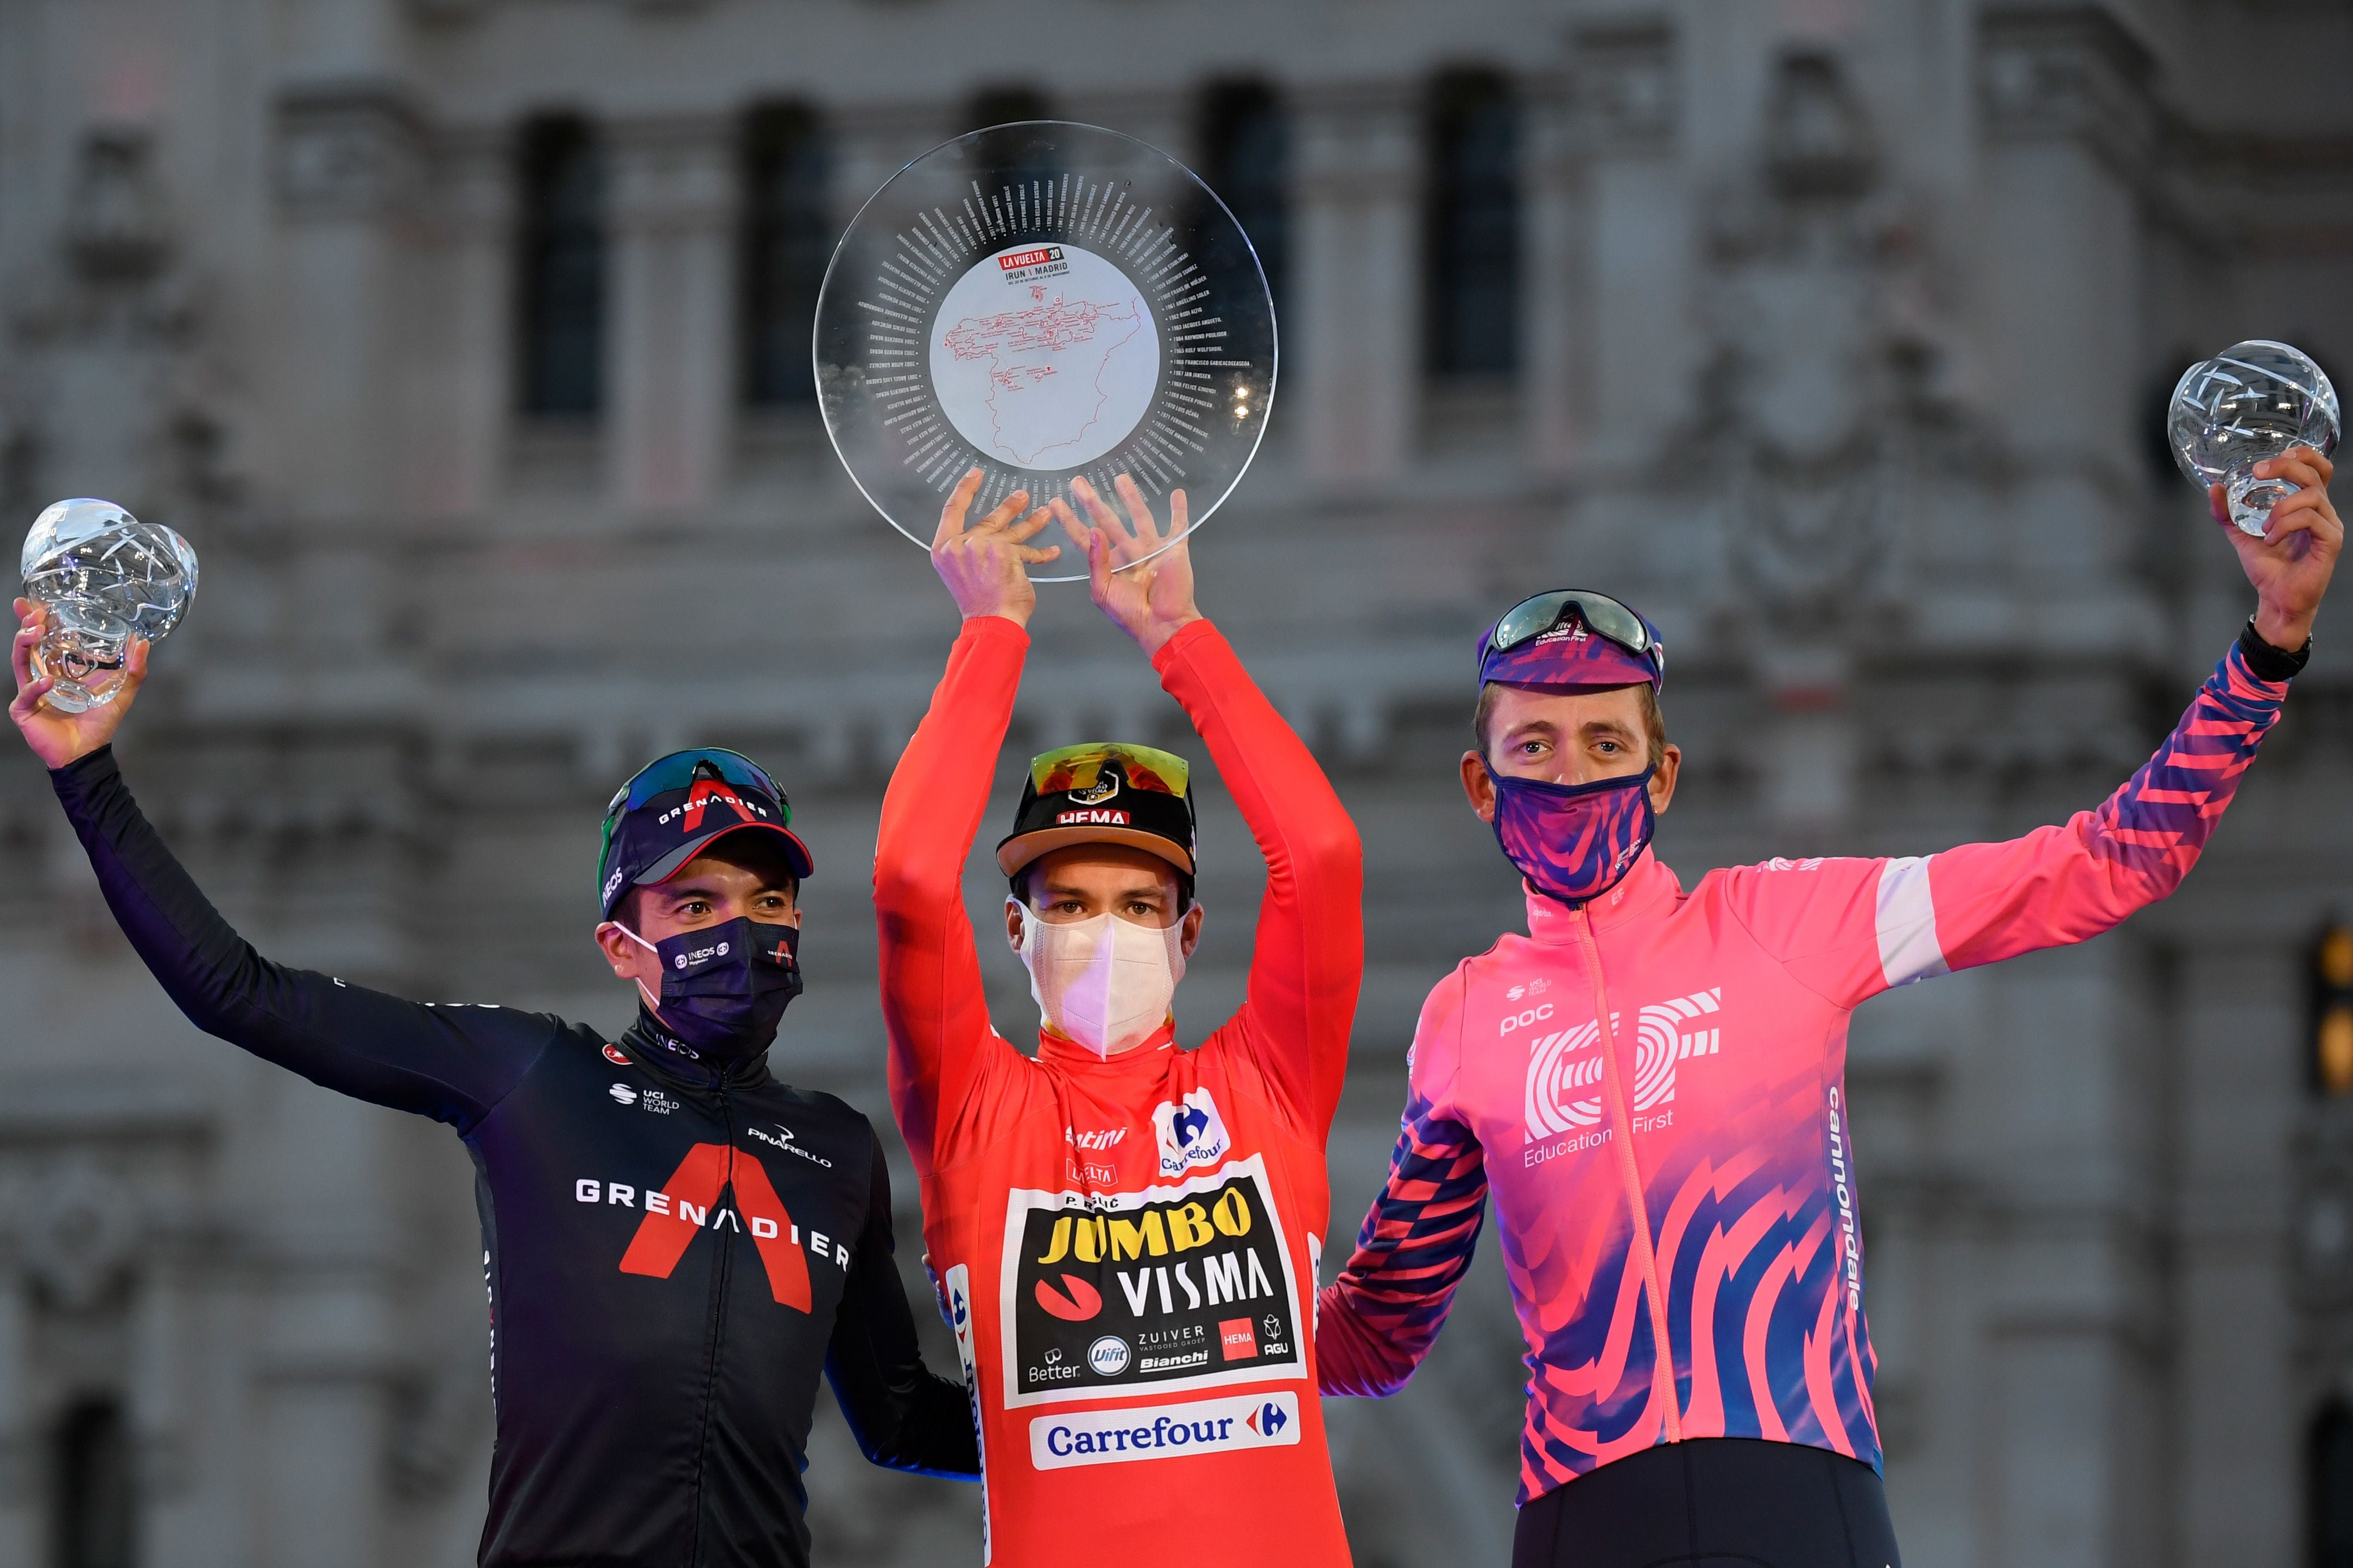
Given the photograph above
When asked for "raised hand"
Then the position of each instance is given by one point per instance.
(2290, 565)
(985, 565)
(1151, 602)
(58, 738)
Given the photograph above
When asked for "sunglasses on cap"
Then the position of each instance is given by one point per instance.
(1081, 768)
(1603, 615)
(679, 770)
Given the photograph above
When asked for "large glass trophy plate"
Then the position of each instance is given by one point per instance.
(1044, 301)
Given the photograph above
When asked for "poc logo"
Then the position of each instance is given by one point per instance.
(1522, 1020)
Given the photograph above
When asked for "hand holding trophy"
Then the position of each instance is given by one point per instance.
(100, 588)
(1057, 308)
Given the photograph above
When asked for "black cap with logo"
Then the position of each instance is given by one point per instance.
(1103, 792)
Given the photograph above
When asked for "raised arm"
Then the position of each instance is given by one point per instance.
(1851, 929)
(934, 1006)
(449, 1063)
(905, 1415)
(1309, 959)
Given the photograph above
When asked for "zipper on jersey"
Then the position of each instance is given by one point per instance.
(1622, 1128)
(718, 1328)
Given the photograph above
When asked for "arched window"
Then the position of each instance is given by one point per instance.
(92, 1505)
(1245, 141)
(1473, 238)
(787, 239)
(2329, 1487)
(561, 270)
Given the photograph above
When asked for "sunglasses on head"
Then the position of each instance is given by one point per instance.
(1081, 768)
(679, 770)
(1603, 615)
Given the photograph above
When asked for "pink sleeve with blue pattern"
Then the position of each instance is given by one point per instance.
(1376, 1322)
(1849, 930)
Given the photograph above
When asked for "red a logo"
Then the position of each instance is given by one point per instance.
(704, 792)
(708, 1170)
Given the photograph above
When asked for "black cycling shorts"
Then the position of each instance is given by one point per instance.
(1713, 1503)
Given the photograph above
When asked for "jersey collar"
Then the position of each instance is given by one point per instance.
(1064, 1052)
(1649, 889)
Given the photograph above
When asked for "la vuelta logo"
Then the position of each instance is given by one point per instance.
(693, 1191)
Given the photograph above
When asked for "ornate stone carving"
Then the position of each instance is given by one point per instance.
(348, 150)
(1623, 78)
(2074, 71)
(109, 388)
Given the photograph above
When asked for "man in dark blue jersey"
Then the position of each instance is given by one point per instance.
(676, 1241)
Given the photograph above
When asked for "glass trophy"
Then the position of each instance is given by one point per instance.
(2254, 400)
(1044, 301)
(106, 577)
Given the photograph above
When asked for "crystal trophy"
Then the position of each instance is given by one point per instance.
(106, 577)
(1044, 301)
(2254, 400)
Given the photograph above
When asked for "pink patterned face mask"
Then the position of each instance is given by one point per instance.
(1574, 842)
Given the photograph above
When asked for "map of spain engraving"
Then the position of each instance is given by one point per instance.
(1045, 356)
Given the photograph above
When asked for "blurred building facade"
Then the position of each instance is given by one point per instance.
(466, 339)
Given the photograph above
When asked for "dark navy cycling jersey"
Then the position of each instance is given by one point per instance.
(673, 1249)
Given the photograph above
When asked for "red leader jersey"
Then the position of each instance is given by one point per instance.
(1126, 1248)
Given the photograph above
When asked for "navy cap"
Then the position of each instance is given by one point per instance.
(677, 808)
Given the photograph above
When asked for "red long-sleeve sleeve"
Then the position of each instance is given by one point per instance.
(934, 1005)
(1310, 956)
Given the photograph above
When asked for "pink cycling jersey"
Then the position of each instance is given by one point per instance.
(1681, 1057)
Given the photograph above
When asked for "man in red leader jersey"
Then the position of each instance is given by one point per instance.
(1126, 1234)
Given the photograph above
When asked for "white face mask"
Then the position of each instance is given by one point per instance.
(1104, 982)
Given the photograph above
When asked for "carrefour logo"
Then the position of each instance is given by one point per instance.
(1164, 1431)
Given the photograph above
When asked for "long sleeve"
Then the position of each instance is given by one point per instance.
(451, 1063)
(1380, 1318)
(905, 1415)
(934, 1005)
(1851, 929)
(1301, 1005)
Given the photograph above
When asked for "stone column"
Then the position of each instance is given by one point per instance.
(2069, 129)
(673, 306)
(1358, 281)
(349, 169)
(1624, 79)
(465, 387)
(1553, 280)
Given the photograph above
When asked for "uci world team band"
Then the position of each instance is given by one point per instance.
(1125, 1238)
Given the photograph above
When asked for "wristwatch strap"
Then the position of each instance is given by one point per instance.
(2265, 662)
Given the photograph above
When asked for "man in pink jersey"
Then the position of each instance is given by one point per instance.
(1652, 1083)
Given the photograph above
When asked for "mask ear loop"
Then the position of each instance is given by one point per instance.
(652, 1001)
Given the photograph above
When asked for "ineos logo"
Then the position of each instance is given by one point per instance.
(683, 959)
(1522, 1020)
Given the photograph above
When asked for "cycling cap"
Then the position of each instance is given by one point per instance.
(1572, 636)
(1103, 792)
(676, 806)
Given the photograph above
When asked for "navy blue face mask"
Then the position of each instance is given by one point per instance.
(724, 988)
(1574, 842)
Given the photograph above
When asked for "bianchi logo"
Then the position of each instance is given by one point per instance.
(1564, 1088)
